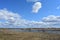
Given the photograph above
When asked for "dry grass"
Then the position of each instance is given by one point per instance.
(28, 36)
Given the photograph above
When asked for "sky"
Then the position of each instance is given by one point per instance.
(29, 13)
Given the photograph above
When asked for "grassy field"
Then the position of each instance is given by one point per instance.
(8, 35)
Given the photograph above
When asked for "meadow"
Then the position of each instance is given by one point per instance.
(13, 35)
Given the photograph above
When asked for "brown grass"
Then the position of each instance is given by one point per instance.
(28, 36)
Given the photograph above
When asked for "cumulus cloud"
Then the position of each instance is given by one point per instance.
(36, 7)
(52, 21)
(10, 19)
(51, 18)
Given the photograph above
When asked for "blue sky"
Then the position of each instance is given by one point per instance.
(24, 8)
(27, 8)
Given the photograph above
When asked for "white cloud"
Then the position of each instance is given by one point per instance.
(52, 21)
(51, 18)
(10, 19)
(36, 7)
(14, 20)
